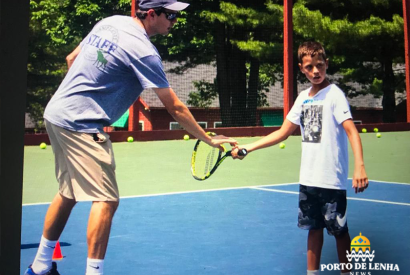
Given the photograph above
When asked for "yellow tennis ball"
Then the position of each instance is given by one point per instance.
(378, 135)
(130, 139)
(282, 145)
(186, 137)
(364, 130)
(375, 130)
(43, 145)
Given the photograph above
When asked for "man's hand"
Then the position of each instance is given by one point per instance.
(360, 181)
(218, 140)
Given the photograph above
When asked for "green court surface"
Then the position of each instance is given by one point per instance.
(158, 167)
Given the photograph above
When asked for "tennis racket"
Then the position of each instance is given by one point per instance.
(206, 159)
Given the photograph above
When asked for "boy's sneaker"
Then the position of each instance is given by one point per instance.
(52, 271)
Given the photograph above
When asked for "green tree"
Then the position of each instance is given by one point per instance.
(237, 36)
(246, 36)
(242, 38)
(365, 42)
(364, 39)
(204, 95)
(56, 28)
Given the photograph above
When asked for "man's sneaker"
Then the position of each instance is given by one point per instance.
(52, 271)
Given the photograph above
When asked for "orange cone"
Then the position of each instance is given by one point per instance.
(57, 255)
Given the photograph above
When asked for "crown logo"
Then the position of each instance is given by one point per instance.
(360, 249)
(360, 243)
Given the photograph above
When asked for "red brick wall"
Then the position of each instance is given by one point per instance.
(145, 116)
(368, 115)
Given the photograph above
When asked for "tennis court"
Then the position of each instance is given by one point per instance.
(240, 221)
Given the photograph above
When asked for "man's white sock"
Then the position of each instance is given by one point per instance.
(94, 266)
(44, 257)
(313, 272)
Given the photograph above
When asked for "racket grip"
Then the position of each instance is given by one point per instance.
(242, 152)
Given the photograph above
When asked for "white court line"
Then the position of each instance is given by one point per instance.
(349, 198)
(205, 190)
(379, 201)
(275, 190)
(390, 182)
(212, 190)
(183, 192)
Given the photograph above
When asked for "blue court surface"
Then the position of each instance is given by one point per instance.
(239, 231)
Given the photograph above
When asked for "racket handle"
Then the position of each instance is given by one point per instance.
(242, 152)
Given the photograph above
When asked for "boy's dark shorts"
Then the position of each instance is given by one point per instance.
(321, 207)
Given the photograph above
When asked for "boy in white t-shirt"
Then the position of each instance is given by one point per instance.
(324, 117)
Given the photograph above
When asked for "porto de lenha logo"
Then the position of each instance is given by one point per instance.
(361, 259)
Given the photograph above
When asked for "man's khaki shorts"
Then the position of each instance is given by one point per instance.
(84, 164)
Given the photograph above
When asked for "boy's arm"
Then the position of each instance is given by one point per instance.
(360, 181)
(273, 138)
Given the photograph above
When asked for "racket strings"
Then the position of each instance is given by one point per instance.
(205, 159)
(209, 162)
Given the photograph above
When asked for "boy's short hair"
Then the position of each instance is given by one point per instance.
(311, 48)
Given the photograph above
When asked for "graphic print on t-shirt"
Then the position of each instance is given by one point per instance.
(311, 121)
(100, 45)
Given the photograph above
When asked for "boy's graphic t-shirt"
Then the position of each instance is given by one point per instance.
(325, 160)
(116, 63)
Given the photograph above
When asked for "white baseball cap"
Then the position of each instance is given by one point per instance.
(173, 5)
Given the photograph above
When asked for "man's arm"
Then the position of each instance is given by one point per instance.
(72, 56)
(273, 138)
(360, 181)
(181, 113)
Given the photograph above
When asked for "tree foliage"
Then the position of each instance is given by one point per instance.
(56, 27)
(365, 42)
(247, 36)
(363, 39)
(204, 95)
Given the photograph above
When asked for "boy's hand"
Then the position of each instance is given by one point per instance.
(235, 154)
(360, 181)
